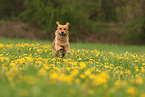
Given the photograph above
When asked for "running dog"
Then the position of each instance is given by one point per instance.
(61, 41)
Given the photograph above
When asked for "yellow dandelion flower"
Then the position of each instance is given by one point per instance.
(52, 65)
(74, 63)
(30, 49)
(4, 66)
(97, 62)
(143, 64)
(111, 65)
(79, 59)
(74, 73)
(57, 69)
(121, 73)
(136, 60)
(99, 80)
(83, 55)
(30, 59)
(139, 80)
(46, 67)
(128, 72)
(97, 70)
(142, 69)
(87, 72)
(53, 59)
(77, 81)
(42, 72)
(57, 62)
(68, 68)
(82, 65)
(111, 53)
(131, 90)
(82, 76)
(53, 76)
(97, 54)
(136, 69)
(62, 77)
(92, 76)
(13, 64)
(77, 67)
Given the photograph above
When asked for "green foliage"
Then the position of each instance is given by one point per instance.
(2, 22)
(5, 8)
(131, 14)
(45, 13)
(10, 8)
(90, 20)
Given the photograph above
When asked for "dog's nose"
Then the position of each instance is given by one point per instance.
(62, 32)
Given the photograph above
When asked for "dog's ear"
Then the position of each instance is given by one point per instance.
(67, 24)
(58, 23)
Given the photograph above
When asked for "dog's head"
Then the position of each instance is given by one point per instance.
(62, 30)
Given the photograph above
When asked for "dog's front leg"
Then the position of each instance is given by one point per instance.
(55, 53)
(67, 48)
(59, 48)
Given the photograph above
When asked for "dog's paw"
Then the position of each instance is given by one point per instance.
(60, 48)
(67, 51)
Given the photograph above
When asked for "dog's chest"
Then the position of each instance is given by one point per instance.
(61, 43)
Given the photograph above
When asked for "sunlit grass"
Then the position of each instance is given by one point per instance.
(27, 68)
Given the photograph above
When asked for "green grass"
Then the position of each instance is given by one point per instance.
(28, 69)
(87, 46)
(2, 22)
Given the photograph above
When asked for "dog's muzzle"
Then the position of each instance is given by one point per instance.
(62, 34)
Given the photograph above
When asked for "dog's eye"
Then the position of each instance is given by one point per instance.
(64, 28)
(60, 28)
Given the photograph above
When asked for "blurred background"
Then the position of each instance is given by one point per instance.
(99, 21)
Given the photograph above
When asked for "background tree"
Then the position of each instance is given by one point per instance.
(110, 21)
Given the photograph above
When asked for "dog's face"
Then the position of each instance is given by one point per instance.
(62, 30)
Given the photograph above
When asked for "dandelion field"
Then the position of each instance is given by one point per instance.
(27, 69)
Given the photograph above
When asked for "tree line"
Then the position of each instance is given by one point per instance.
(117, 20)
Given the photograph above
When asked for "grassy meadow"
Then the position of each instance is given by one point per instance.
(28, 69)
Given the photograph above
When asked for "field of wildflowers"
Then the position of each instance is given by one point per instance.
(28, 69)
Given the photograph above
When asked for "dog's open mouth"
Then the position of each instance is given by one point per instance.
(62, 35)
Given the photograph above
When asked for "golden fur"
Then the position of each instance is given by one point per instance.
(61, 41)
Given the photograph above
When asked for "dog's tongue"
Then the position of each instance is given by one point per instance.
(62, 35)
